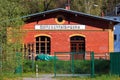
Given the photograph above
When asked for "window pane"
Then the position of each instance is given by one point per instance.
(42, 38)
(37, 44)
(43, 45)
(37, 52)
(48, 44)
(37, 38)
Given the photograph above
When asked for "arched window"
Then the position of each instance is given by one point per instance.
(77, 44)
(43, 45)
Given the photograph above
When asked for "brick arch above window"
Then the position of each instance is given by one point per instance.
(42, 35)
(77, 35)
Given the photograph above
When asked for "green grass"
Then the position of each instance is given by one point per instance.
(10, 76)
(103, 77)
(32, 75)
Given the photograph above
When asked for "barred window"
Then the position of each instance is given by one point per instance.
(43, 45)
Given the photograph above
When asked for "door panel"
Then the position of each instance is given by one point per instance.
(78, 46)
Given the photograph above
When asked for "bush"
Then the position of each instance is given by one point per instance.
(77, 67)
(80, 66)
(27, 66)
(102, 66)
(45, 66)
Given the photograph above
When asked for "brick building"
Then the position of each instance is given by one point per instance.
(61, 30)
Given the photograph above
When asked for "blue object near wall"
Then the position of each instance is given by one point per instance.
(45, 57)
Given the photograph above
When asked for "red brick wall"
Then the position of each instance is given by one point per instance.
(96, 38)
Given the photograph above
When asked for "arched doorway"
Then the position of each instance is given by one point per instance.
(43, 45)
(77, 45)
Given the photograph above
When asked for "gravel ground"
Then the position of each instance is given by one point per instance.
(37, 79)
(50, 76)
(41, 77)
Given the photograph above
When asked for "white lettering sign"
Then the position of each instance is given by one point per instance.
(59, 27)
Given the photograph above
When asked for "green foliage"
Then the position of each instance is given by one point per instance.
(32, 6)
(91, 7)
(80, 66)
(45, 66)
(10, 37)
(27, 66)
(102, 66)
(103, 77)
(9, 10)
(63, 67)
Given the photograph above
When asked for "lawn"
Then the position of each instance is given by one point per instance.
(102, 77)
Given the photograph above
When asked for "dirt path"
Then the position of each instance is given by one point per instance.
(51, 76)
(37, 79)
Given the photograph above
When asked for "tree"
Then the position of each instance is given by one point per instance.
(31, 6)
(109, 5)
(60, 3)
(34, 6)
(93, 7)
(10, 22)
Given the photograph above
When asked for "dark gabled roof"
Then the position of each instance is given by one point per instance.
(73, 12)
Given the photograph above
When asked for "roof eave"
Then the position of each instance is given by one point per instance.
(73, 12)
